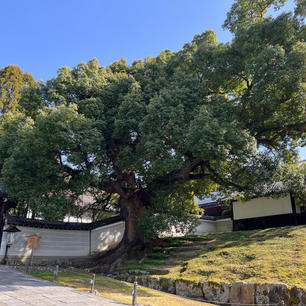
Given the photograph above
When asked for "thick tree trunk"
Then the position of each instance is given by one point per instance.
(130, 209)
(5, 205)
(2, 220)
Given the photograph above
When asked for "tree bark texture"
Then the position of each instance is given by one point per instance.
(131, 209)
(2, 220)
(5, 205)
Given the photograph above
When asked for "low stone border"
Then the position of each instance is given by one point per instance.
(24, 268)
(233, 294)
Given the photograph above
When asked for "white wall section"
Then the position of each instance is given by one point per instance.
(106, 237)
(262, 207)
(57, 245)
(211, 226)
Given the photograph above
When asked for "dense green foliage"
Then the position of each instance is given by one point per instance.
(173, 210)
(12, 81)
(209, 116)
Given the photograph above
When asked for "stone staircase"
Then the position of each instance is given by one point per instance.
(166, 256)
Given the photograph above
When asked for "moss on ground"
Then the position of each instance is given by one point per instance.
(268, 255)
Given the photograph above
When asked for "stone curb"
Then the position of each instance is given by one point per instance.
(235, 294)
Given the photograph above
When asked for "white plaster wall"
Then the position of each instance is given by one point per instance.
(65, 243)
(211, 226)
(205, 226)
(56, 243)
(261, 207)
(224, 225)
(107, 237)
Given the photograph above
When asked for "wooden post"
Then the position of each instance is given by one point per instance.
(4, 261)
(134, 302)
(2, 220)
(92, 283)
(56, 273)
(31, 258)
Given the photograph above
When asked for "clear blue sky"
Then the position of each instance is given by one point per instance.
(42, 35)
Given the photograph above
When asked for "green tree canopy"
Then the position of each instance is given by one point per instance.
(12, 81)
(209, 116)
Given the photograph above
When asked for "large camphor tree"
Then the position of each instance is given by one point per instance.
(156, 132)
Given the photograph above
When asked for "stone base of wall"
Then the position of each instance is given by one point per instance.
(50, 260)
(49, 268)
(233, 294)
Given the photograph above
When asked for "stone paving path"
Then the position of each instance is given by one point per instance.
(20, 289)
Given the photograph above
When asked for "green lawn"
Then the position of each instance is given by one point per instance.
(117, 291)
(269, 255)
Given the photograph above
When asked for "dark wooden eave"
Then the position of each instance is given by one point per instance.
(20, 221)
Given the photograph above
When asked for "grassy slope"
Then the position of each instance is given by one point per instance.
(269, 255)
(117, 291)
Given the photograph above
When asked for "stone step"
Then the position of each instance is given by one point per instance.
(170, 263)
(200, 239)
(186, 248)
(190, 244)
(165, 255)
(175, 244)
(184, 255)
(202, 243)
(157, 271)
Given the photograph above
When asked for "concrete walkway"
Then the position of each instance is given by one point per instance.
(20, 289)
